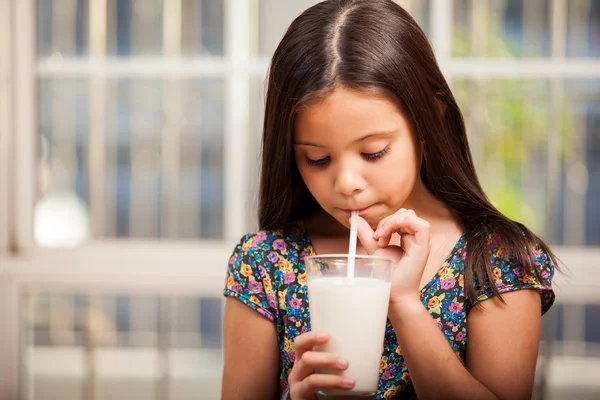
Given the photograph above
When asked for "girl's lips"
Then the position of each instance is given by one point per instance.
(360, 210)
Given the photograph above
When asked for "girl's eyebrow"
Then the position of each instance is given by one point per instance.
(367, 136)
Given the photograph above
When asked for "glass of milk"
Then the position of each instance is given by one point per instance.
(353, 310)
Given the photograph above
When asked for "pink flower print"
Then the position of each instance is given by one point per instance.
(455, 307)
(440, 325)
(303, 255)
(388, 372)
(272, 301)
(545, 274)
(294, 302)
(279, 244)
(254, 286)
(289, 278)
(460, 336)
(519, 271)
(237, 287)
(273, 257)
(303, 330)
(261, 270)
(448, 283)
(292, 355)
(450, 324)
(232, 260)
(260, 237)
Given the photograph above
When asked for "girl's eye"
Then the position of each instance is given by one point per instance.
(376, 156)
(317, 163)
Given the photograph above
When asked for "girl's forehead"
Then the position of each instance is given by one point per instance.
(349, 111)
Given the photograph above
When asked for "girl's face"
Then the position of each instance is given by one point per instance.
(356, 151)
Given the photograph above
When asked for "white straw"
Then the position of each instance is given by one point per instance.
(352, 248)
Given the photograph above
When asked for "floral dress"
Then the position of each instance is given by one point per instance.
(266, 272)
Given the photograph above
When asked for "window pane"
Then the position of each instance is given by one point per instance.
(581, 174)
(274, 17)
(583, 28)
(162, 146)
(62, 27)
(134, 27)
(510, 28)
(508, 123)
(127, 342)
(202, 27)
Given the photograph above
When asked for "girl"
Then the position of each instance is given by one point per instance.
(359, 117)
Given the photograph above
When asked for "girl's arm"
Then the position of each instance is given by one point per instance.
(502, 348)
(252, 362)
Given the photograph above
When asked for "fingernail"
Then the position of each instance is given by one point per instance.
(322, 335)
(348, 382)
(342, 363)
(380, 242)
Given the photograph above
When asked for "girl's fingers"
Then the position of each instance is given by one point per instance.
(308, 388)
(317, 360)
(405, 223)
(365, 235)
(307, 341)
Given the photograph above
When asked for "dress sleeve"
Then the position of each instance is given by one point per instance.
(247, 279)
(510, 275)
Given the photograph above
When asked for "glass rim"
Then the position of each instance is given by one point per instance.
(345, 256)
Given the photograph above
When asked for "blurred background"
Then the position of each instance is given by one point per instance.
(129, 139)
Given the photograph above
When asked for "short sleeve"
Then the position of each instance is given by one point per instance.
(247, 279)
(509, 275)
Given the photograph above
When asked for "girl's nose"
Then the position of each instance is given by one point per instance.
(348, 182)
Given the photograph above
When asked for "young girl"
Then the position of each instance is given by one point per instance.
(359, 117)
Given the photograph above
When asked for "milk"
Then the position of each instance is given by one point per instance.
(354, 313)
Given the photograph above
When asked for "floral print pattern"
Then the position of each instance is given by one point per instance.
(266, 272)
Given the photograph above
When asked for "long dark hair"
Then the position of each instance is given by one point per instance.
(375, 45)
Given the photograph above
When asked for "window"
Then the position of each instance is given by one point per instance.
(124, 189)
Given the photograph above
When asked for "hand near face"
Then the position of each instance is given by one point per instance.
(410, 257)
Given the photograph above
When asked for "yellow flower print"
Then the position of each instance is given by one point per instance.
(390, 394)
(287, 345)
(528, 279)
(267, 285)
(302, 278)
(382, 365)
(284, 265)
(246, 270)
(281, 297)
(247, 245)
(461, 281)
(444, 271)
(230, 282)
(255, 300)
(434, 302)
(497, 273)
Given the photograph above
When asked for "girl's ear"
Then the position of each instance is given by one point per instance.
(439, 98)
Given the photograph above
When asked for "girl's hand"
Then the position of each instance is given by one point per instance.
(304, 382)
(410, 257)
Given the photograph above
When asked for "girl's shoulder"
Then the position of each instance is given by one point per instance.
(290, 238)
(509, 274)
